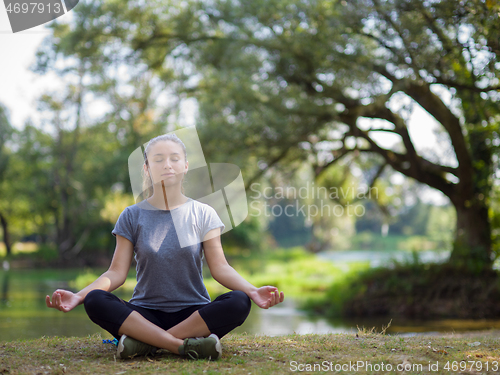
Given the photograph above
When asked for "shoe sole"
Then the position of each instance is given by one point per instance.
(218, 346)
(120, 348)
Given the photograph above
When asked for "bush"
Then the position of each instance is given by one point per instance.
(414, 290)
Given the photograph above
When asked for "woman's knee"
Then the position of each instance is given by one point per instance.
(241, 304)
(94, 301)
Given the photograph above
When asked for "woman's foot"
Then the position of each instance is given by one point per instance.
(204, 347)
(130, 348)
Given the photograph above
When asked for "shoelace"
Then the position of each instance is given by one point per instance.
(192, 354)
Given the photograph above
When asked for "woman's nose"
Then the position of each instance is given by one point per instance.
(167, 164)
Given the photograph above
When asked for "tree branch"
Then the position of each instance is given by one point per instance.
(429, 101)
(422, 94)
(380, 170)
(319, 170)
(432, 176)
(462, 86)
(259, 174)
(406, 48)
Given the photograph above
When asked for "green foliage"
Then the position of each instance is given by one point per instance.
(494, 215)
(413, 289)
(441, 225)
(249, 236)
(6, 132)
(370, 241)
(67, 180)
(337, 294)
(291, 82)
(83, 280)
(297, 272)
(46, 253)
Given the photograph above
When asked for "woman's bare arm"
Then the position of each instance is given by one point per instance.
(222, 272)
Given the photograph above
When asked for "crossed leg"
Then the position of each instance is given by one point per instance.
(158, 329)
(141, 329)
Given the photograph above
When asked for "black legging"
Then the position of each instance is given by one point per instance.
(222, 315)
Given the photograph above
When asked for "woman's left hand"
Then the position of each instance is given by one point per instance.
(266, 296)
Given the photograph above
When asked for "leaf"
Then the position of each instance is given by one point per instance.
(439, 351)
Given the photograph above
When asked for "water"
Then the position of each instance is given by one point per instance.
(24, 315)
(381, 258)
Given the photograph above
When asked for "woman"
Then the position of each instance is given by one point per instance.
(170, 307)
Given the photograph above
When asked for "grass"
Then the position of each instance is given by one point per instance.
(248, 354)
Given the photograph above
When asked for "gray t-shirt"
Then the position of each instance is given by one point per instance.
(169, 277)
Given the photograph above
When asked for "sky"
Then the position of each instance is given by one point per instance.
(20, 87)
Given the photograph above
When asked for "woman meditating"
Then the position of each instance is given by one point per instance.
(170, 307)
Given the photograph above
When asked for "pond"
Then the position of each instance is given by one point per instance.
(24, 315)
(380, 258)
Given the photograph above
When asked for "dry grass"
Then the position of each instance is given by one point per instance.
(248, 354)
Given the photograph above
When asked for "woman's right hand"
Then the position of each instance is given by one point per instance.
(63, 300)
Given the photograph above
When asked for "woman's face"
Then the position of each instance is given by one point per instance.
(166, 163)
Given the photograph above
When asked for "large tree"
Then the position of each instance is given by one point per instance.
(6, 132)
(288, 78)
(78, 165)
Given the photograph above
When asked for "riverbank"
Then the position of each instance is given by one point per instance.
(415, 290)
(303, 276)
(358, 353)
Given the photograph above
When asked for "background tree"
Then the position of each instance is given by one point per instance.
(288, 79)
(330, 65)
(6, 132)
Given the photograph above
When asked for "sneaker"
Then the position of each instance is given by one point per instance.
(130, 348)
(204, 347)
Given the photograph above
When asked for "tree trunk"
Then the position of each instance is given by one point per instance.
(472, 245)
(6, 236)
